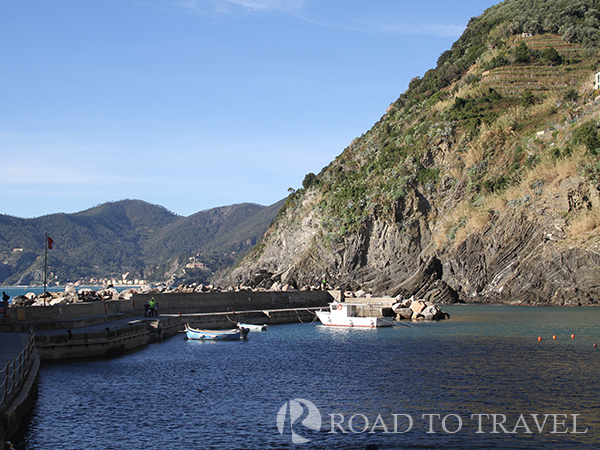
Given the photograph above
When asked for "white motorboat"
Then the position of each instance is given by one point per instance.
(252, 327)
(346, 315)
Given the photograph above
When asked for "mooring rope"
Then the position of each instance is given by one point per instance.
(232, 321)
(401, 324)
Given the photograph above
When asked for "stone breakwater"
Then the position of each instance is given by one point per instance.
(72, 295)
(398, 307)
(171, 300)
(411, 309)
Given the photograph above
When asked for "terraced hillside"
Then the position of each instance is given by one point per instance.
(540, 77)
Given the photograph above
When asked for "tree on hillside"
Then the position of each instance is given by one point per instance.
(552, 56)
(587, 134)
(528, 99)
(522, 53)
(309, 180)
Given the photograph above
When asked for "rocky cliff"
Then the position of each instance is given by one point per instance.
(480, 183)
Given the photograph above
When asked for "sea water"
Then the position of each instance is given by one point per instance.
(479, 380)
(13, 291)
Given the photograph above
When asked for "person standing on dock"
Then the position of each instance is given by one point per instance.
(152, 307)
(5, 299)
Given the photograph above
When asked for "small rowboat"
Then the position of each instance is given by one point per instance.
(216, 335)
(252, 327)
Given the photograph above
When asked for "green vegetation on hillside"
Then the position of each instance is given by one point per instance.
(511, 100)
(144, 240)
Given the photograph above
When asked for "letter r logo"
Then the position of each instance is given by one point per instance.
(299, 410)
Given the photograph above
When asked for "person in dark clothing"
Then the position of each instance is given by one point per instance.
(5, 299)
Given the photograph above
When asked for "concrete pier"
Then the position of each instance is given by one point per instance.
(77, 315)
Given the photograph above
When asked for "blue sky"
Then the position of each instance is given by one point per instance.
(194, 104)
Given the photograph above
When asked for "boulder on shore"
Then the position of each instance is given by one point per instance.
(403, 313)
(410, 309)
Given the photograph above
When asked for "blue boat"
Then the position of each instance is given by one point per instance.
(216, 335)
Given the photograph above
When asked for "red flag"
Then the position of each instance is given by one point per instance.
(50, 242)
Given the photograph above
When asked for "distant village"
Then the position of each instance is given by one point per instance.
(123, 280)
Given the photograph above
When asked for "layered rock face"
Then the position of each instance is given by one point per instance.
(522, 254)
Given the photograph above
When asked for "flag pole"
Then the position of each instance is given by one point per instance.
(45, 266)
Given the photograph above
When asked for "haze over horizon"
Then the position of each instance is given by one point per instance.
(196, 104)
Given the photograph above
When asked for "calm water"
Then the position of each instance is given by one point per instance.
(227, 395)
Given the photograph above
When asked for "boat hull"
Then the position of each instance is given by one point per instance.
(330, 320)
(215, 335)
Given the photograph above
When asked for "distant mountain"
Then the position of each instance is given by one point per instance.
(130, 236)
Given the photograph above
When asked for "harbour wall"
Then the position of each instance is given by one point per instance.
(76, 315)
(19, 390)
(99, 344)
(235, 301)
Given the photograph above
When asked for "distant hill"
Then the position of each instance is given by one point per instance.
(130, 236)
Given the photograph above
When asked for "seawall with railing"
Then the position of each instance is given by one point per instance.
(18, 388)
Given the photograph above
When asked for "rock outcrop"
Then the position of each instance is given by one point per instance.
(524, 256)
(480, 183)
(521, 255)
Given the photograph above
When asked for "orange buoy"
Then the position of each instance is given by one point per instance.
(572, 336)
(595, 345)
(539, 338)
(554, 336)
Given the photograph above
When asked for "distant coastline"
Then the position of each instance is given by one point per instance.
(14, 291)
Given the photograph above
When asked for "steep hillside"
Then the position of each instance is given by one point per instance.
(132, 236)
(228, 229)
(480, 182)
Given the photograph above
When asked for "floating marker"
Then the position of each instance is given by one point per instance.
(595, 345)
(539, 338)
(572, 336)
(553, 336)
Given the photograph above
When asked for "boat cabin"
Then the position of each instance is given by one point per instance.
(343, 309)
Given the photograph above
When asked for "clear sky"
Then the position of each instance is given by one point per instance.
(194, 104)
